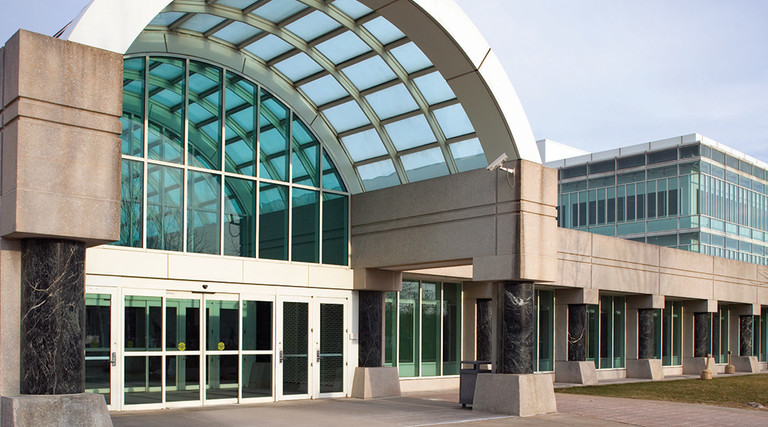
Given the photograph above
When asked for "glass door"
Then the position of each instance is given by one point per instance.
(101, 339)
(293, 342)
(330, 350)
(222, 348)
(182, 349)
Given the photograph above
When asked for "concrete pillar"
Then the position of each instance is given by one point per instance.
(53, 316)
(746, 333)
(516, 330)
(577, 332)
(484, 331)
(371, 329)
(646, 333)
(702, 325)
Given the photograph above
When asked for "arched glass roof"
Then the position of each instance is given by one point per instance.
(395, 115)
(402, 90)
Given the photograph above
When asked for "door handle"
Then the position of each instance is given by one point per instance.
(318, 356)
(113, 359)
(281, 356)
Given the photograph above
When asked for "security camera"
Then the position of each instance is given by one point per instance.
(205, 286)
(499, 162)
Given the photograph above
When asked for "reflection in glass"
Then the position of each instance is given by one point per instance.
(143, 323)
(182, 378)
(306, 155)
(166, 109)
(239, 217)
(545, 325)
(331, 348)
(182, 324)
(221, 377)
(331, 177)
(97, 344)
(451, 328)
(390, 329)
(204, 116)
(295, 348)
(409, 330)
(132, 134)
(257, 325)
(131, 200)
(203, 213)
(305, 225)
(164, 207)
(142, 380)
(273, 221)
(273, 137)
(257, 375)
(335, 222)
(430, 329)
(221, 318)
(240, 151)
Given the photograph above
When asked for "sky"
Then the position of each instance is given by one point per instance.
(599, 74)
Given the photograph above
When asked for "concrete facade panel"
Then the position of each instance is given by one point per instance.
(624, 250)
(330, 277)
(114, 261)
(687, 286)
(206, 268)
(10, 315)
(685, 260)
(612, 278)
(276, 273)
(734, 293)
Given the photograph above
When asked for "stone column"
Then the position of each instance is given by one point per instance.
(577, 332)
(702, 324)
(53, 316)
(516, 329)
(484, 330)
(746, 324)
(371, 329)
(646, 333)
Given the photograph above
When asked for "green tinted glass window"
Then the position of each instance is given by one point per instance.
(204, 116)
(132, 134)
(335, 226)
(273, 138)
(240, 126)
(165, 194)
(451, 328)
(203, 210)
(239, 217)
(131, 201)
(305, 225)
(273, 221)
(430, 329)
(305, 155)
(165, 140)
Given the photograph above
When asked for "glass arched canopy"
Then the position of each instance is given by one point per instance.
(351, 72)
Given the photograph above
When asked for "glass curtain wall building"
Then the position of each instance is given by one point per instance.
(688, 193)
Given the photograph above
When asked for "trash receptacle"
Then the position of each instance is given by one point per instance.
(468, 379)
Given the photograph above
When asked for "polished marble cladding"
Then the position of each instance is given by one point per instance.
(53, 316)
(646, 333)
(370, 329)
(577, 332)
(701, 334)
(516, 337)
(746, 325)
(484, 331)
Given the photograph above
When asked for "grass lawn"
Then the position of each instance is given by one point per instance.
(734, 392)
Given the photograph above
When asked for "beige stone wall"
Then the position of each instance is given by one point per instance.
(60, 107)
(503, 225)
(601, 263)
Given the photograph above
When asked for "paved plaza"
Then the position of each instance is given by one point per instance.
(441, 409)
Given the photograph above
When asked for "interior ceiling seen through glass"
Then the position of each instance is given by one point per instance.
(394, 114)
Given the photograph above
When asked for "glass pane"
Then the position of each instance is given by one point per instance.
(182, 324)
(677, 333)
(305, 225)
(454, 121)
(257, 325)
(468, 155)
(239, 217)
(295, 348)
(269, 47)
(411, 57)
(313, 25)
(131, 201)
(165, 188)
(324, 90)
(430, 329)
(98, 341)
(132, 135)
(383, 30)
(240, 151)
(666, 335)
(166, 109)
(222, 322)
(202, 22)
(203, 211)
(345, 46)
(298, 66)
(434, 88)
(390, 328)
(346, 116)
(546, 328)
(143, 323)
(353, 8)
(364, 145)
(408, 361)
(273, 221)
(182, 378)
(606, 332)
(166, 18)
(305, 155)
(331, 348)
(331, 177)
(237, 32)
(143, 379)
(257, 375)
(273, 137)
(619, 328)
(378, 175)
(277, 11)
(369, 73)
(593, 334)
(204, 116)
(424, 164)
(335, 229)
(392, 101)
(221, 377)
(451, 328)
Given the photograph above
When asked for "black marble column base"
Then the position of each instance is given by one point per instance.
(371, 329)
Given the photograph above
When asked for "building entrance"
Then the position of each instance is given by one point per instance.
(149, 349)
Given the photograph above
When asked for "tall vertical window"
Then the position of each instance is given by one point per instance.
(672, 334)
(545, 330)
(606, 324)
(720, 325)
(216, 164)
(422, 328)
